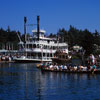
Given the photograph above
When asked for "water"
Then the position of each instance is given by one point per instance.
(26, 82)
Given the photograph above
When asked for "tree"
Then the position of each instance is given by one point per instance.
(87, 42)
(96, 37)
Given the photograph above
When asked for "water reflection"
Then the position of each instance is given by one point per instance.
(26, 82)
(69, 85)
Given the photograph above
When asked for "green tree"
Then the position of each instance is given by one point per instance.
(87, 42)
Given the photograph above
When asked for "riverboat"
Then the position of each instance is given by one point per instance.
(38, 47)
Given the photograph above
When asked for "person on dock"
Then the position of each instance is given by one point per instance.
(92, 59)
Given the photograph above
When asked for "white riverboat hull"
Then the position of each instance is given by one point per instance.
(28, 60)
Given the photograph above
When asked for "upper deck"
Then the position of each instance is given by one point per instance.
(43, 42)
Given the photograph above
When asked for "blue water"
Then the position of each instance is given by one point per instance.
(26, 82)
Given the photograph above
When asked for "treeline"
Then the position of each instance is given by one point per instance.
(84, 38)
(88, 40)
(8, 37)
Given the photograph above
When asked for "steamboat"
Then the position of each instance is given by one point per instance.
(38, 47)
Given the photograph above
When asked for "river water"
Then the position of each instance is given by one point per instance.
(26, 82)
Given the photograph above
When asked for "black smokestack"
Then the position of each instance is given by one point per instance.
(38, 30)
(25, 20)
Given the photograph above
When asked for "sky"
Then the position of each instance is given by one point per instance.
(54, 14)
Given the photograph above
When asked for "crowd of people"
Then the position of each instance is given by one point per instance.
(91, 66)
(68, 67)
(5, 57)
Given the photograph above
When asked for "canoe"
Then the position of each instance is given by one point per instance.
(66, 71)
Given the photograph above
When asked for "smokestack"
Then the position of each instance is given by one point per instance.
(25, 20)
(38, 30)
